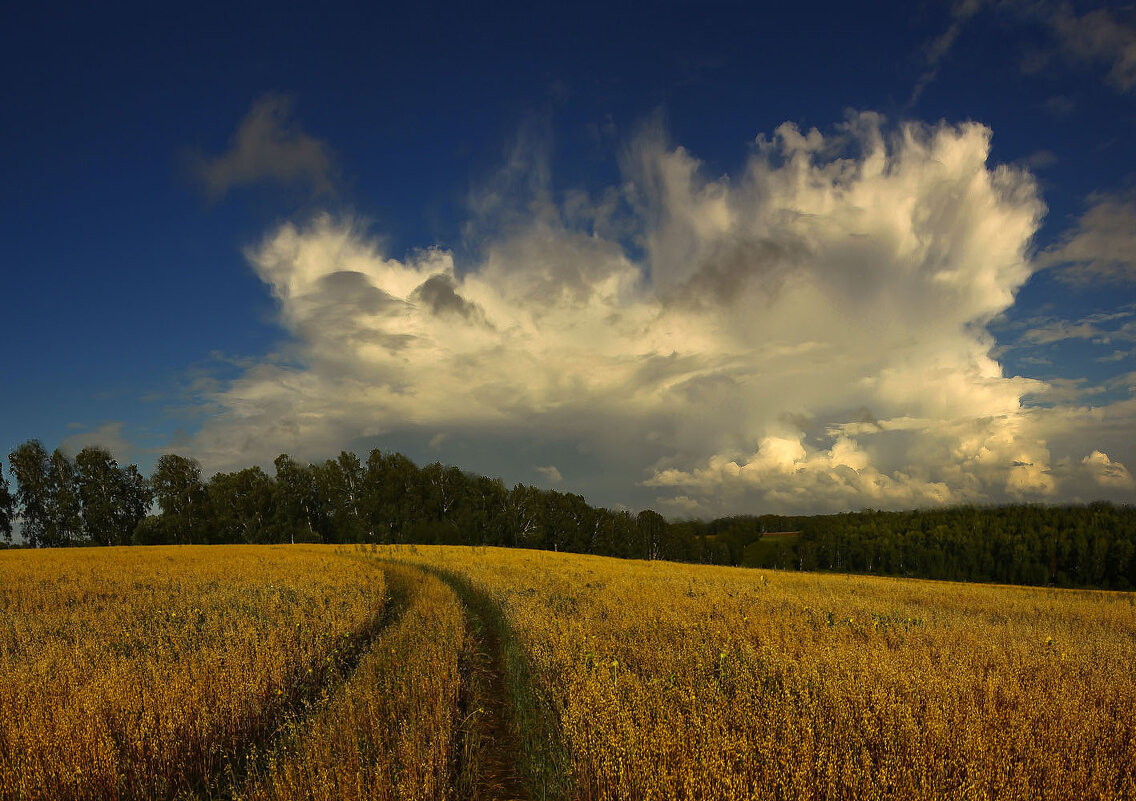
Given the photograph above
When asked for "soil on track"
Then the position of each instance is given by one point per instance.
(491, 749)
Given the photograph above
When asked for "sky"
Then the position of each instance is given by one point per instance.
(706, 258)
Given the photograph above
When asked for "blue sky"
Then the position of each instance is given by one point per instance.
(706, 258)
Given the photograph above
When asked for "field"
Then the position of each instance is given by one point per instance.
(279, 672)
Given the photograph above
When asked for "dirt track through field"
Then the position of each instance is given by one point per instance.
(491, 749)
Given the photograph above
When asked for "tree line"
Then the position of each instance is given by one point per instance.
(388, 499)
(64, 501)
(1091, 545)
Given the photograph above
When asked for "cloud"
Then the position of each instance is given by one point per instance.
(1106, 472)
(551, 473)
(437, 294)
(108, 435)
(1104, 328)
(1040, 160)
(809, 334)
(1059, 106)
(1059, 331)
(267, 146)
(1101, 246)
(1116, 356)
(1103, 35)
(937, 49)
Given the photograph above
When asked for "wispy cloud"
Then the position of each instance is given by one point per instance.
(1100, 246)
(268, 146)
(107, 435)
(1105, 36)
(1116, 356)
(551, 473)
(938, 48)
(1102, 36)
(1059, 331)
(1059, 106)
(1040, 160)
(1102, 328)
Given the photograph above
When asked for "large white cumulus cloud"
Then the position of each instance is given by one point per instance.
(807, 335)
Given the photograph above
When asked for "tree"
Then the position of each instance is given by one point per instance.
(65, 507)
(337, 485)
(652, 534)
(443, 490)
(7, 508)
(348, 477)
(241, 505)
(486, 510)
(99, 484)
(135, 500)
(565, 520)
(294, 498)
(181, 494)
(150, 531)
(525, 517)
(31, 466)
(114, 499)
(623, 533)
(392, 497)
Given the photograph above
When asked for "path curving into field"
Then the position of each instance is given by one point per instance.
(512, 747)
(308, 700)
(491, 750)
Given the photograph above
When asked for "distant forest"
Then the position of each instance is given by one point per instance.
(91, 500)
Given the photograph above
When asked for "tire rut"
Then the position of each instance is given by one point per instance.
(491, 750)
(307, 702)
(512, 747)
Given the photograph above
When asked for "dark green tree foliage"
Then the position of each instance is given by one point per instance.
(137, 496)
(7, 508)
(113, 499)
(1067, 546)
(341, 482)
(181, 494)
(393, 495)
(149, 531)
(295, 500)
(65, 509)
(652, 534)
(99, 493)
(524, 518)
(242, 506)
(31, 467)
(483, 513)
(61, 501)
(442, 494)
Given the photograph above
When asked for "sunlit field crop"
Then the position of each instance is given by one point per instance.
(392, 731)
(670, 681)
(402, 672)
(136, 673)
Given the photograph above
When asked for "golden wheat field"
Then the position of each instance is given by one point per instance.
(280, 672)
(143, 672)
